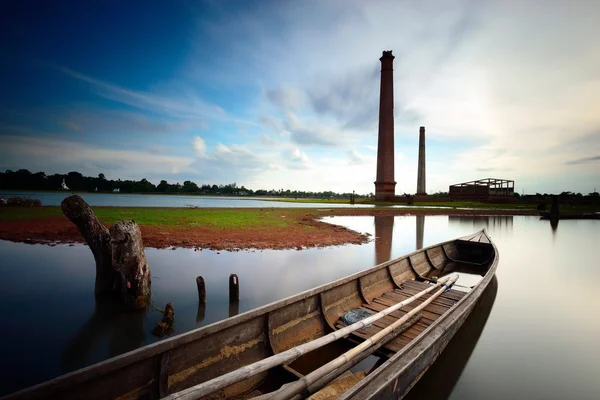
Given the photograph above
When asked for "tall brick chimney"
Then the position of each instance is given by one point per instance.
(421, 172)
(385, 186)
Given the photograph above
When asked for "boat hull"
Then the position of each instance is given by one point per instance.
(400, 373)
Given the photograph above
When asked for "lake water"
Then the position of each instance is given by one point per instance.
(534, 334)
(162, 200)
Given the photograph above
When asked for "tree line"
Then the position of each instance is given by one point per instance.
(75, 181)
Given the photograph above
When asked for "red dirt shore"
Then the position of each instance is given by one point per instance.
(59, 230)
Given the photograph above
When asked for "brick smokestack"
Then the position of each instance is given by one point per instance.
(421, 172)
(385, 186)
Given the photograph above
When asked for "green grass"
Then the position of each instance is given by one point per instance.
(210, 218)
(171, 217)
(240, 218)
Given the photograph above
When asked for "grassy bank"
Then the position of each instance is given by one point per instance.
(214, 218)
(214, 228)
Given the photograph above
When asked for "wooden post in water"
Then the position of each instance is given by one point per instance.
(234, 287)
(201, 290)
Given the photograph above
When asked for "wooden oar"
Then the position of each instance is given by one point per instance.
(310, 379)
(321, 383)
(220, 382)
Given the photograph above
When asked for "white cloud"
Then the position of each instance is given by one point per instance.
(296, 159)
(199, 147)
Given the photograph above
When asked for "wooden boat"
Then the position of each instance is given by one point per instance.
(186, 365)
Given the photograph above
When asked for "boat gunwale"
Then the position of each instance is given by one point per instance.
(163, 346)
(456, 311)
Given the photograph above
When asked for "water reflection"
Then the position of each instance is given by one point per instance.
(522, 332)
(440, 379)
(125, 331)
(420, 230)
(234, 308)
(384, 229)
(496, 223)
(200, 314)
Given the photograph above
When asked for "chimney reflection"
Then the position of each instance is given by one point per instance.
(384, 228)
(420, 231)
(494, 223)
(554, 226)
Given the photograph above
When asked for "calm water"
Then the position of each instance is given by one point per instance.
(160, 200)
(534, 335)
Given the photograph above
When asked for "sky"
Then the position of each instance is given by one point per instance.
(285, 94)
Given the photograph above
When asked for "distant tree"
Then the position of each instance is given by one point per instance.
(74, 181)
(163, 186)
(101, 176)
(190, 187)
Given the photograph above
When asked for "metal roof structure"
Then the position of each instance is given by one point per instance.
(484, 187)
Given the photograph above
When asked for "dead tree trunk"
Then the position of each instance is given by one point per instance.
(119, 253)
(129, 262)
(97, 237)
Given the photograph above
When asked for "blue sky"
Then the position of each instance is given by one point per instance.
(284, 94)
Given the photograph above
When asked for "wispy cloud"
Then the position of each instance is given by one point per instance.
(183, 105)
(358, 158)
(54, 155)
(303, 134)
(118, 121)
(583, 160)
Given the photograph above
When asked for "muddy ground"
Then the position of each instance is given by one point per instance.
(307, 231)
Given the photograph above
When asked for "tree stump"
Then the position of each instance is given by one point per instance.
(166, 325)
(98, 239)
(121, 265)
(129, 263)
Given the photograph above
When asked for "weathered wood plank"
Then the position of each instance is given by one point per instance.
(420, 264)
(375, 283)
(437, 257)
(339, 300)
(295, 324)
(402, 271)
(164, 366)
(441, 301)
(223, 352)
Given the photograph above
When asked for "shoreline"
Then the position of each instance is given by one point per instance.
(214, 228)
